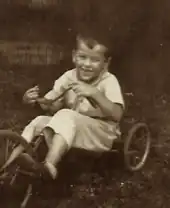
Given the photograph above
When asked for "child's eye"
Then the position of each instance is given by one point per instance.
(95, 60)
(81, 56)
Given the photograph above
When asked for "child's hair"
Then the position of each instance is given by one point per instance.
(93, 39)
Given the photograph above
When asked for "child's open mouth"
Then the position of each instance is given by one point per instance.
(86, 74)
(86, 71)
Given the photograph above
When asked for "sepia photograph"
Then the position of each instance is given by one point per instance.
(84, 104)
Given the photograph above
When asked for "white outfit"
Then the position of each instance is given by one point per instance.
(85, 127)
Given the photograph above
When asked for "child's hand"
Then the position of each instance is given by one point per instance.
(44, 101)
(31, 95)
(83, 89)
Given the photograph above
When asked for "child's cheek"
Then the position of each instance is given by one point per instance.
(78, 61)
(97, 66)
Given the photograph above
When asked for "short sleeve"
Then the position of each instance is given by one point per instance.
(112, 90)
(59, 87)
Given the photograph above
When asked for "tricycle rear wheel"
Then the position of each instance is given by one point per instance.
(137, 146)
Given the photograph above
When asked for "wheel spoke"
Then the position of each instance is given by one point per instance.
(27, 196)
(135, 160)
(7, 149)
(13, 179)
(3, 176)
(133, 157)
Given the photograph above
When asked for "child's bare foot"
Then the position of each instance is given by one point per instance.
(45, 170)
(51, 169)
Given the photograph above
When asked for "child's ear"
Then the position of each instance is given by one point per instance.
(73, 56)
(107, 62)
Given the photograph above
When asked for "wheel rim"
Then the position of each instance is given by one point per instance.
(8, 141)
(137, 146)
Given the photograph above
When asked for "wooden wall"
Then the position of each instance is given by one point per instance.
(138, 31)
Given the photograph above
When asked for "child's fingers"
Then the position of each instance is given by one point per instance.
(70, 86)
(74, 84)
(31, 101)
(33, 95)
(75, 89)
(33, 89)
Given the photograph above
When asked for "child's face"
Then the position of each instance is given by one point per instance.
(89, 62)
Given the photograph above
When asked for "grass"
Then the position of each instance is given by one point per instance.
(106, 184)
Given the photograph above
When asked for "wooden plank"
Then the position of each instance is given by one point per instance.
(25, 53)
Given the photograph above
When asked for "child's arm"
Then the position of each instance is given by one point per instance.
(50, 105)
(109, 108)
(31, 97)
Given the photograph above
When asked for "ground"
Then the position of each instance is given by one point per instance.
(104, 184)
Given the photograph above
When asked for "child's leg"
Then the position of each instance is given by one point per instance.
(61, 129)
(31, 130)
(71, 129)
(57, 149)
(34, 128)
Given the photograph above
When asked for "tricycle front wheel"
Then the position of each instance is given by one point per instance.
(137, 146)
(8, 141)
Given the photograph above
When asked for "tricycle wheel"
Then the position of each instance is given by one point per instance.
(8, 141)
(137, 146)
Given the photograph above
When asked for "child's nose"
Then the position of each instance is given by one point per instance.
(87, 62)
